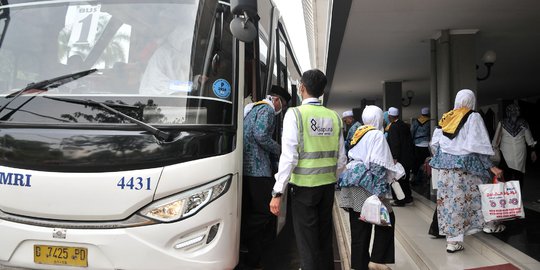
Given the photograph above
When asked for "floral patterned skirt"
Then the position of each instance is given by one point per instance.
(372, 179)
(459, 203)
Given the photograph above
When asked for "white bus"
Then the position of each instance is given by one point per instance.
(121, 129)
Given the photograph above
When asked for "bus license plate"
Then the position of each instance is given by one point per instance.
(58, 255)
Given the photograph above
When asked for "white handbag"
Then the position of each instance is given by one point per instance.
(374, 212)
(501, 201)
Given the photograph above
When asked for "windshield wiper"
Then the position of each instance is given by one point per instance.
(52, 83)
(162, 135)
(42, 86)
(4, 15)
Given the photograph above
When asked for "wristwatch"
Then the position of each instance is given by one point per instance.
(276, 194)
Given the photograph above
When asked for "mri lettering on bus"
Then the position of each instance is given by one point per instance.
(15, 179)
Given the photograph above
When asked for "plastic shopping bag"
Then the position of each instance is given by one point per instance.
(374, 212)
(501, 201)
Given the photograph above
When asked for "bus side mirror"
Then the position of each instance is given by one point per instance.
(242, 26)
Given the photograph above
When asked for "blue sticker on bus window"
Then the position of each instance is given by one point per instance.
(222, 88)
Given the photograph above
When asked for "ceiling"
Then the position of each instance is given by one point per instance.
(388, 40)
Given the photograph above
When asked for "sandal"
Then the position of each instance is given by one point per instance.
(494, 229)
(451, 248)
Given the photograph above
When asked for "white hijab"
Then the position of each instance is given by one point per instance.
(373, 147)
(465, 98)
(373, 116)
(473, 136)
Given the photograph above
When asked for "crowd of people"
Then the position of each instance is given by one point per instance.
(323, 157)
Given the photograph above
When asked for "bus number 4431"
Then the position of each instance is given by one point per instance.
(134, 183)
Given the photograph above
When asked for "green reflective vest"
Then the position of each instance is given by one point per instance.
(318, 146)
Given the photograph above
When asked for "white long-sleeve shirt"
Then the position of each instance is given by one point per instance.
(514, 148)
(289, 151)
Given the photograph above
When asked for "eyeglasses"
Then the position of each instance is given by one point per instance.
(281, 101)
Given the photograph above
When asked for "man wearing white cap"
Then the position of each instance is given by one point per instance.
(420, 131)
(348, 119)
(402, 148)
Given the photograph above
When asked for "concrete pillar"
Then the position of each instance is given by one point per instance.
(433, 98)
(443, 73)
(455, 56)
(463, 62)
(433, 85)
(391, 95)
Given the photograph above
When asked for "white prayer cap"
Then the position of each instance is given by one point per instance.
(425, 110)
(393, 111)
(347, 113)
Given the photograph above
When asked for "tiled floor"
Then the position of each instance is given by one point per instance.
(414, 225)
(403, 260)
(282, 254)
(523, 235)
(415, 249)
(481, 250)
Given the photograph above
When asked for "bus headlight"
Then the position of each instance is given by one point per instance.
(187, 203)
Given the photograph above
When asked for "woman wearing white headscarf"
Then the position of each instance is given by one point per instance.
(462, 155)
(369, 172)
(512, 136)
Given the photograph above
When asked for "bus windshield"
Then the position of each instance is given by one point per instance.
(161, 62)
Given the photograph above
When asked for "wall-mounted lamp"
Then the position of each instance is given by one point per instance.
(409, 94)
(488, 59)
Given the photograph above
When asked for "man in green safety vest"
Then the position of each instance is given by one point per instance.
(312, 155)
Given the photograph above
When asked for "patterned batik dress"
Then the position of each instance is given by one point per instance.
(359, 183)
(458, 197)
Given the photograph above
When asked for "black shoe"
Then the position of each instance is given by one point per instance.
(398, 204)
(435, 233)
(401, 203)
(437, 236)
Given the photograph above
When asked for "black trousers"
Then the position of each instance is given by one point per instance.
(511, 174)
(420, 155)
(434, 226)
(405, 186)
(383, 242)
(312, 221)
(258, 223)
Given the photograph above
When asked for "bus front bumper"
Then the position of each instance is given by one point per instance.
(207, 240)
